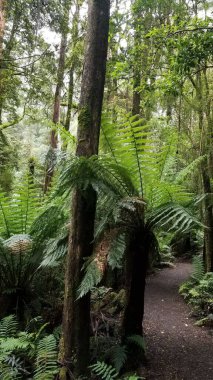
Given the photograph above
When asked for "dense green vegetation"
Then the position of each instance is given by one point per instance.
(106, 130)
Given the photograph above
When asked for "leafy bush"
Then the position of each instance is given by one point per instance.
(198, 291)
(26, 354)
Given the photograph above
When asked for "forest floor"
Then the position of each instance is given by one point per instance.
(176, 348)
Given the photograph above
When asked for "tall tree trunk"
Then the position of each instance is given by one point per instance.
(208, 219)
(76, 318)
(51, 155)
(70, 98)
(2, 28)
(2, 25)
(205, 148)
(74, 36)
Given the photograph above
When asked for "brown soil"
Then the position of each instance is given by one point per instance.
(176, 348)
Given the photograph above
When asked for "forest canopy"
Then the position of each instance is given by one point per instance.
(106, 172)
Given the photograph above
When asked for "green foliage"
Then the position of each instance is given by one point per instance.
(137, 340)
(198, 291)
(18, 210)
(91, 278)
(118, 356)
(24, 353)
(198, 269)
(8, 326)
(46, 359)
(107, 372)
(173, 217)
(99, 172)
(104, 371)
(116, 251)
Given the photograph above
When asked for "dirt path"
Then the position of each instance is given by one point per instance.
(176, 349)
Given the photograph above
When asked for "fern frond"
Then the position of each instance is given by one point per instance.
(104, 371)
(46, 359)
(48, 222)
(19, 210)
(118, 356)
(55, 250)
(8, 326)
(189, 169)
(116, 251)
(99, 172)
(126, 142)
(198, 268)
(138, 340)
(173, 217)
(93, 276)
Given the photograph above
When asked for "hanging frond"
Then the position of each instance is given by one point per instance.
(189, 169)
(198, 269)
(99, 172)
(93, 276)
(48, 222)
(55, 250)
(116, 251)
(173, 217)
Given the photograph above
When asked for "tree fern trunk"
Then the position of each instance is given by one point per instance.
(136, 265)
(76, 319)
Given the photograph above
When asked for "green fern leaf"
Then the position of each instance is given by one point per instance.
(104, 371)
(46, 360)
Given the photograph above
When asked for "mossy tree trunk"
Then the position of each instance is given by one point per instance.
(76, 317)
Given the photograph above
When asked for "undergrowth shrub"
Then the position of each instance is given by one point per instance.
(29, 354)
(198, 292)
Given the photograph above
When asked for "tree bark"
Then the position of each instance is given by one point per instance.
(76, 317)
(136, 265)
(74, 33)
(208, 219)
(51, 156)
(2, 25)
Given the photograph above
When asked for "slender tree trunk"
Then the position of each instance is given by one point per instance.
(76, 318)
(70, 98)
(205, 148)
(74, 36)
(208, 220)
(2, 28)
(51, 156)
(2, 24)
